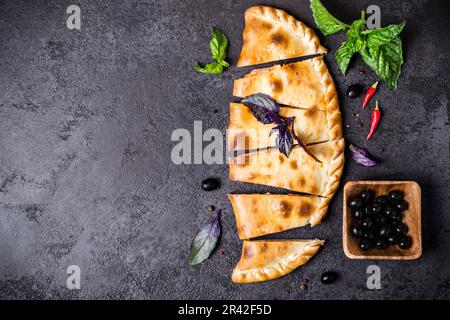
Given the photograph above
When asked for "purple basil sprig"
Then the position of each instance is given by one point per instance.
(362, 156)
(284, 139)
(263, 108)
(266, 110)
(205, 241)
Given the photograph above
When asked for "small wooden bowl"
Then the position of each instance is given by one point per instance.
(412, 218)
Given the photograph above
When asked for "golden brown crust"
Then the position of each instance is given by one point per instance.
(331, 99)
(271, 34)
(305, 84)
(264, 260)
(245, 132)
(335, 170)
(299, 172)
(296, 85)
(261, 214)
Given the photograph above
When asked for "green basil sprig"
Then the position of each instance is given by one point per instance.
(381, 49)
(218, 45)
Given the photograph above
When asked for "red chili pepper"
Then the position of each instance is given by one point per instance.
(374, 120)
(369, 94)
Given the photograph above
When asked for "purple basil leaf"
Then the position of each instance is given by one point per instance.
(284, 139)
(301, 144)
(205, 241)
(263, 108)
(362, 156)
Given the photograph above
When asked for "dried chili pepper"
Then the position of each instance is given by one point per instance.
(374, 120)
(369, 94)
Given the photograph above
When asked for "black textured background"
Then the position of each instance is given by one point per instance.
(85, 171)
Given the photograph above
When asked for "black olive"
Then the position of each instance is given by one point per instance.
(353, 91)
(358, 214)
(376, 208)
(401, 205)
(367, 223)
(368, 210)
(328, 277)
(368, 234)
(379, 219)
(380, 244)
(355, 203)
(365, 244)
(395, 195)
(392, 239)
(210, 184)
(382, 200)
(401, 228)
(385, 231)
(396, 216)
(405, 242)
(367, 195)
(389, 211)
(357, 230)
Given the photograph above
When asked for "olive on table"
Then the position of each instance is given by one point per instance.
(353, 91)
(210, 184)
(328, 277)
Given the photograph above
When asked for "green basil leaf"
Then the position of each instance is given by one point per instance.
(205, 241)
(213, 67)
(379, 37)
(218, 45)
(345, 53)
(224, 63)
(324, 20)
(386, 61)
(357, 29)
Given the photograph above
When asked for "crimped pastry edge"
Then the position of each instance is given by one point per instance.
(282, 17)
(279, 269)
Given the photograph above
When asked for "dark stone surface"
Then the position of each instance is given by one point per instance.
(85, 171)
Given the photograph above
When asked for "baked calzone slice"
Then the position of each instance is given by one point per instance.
(300, 172)
(261, 214)
(264, 260)
(245, 132)
(271, 34)
(305, 84)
